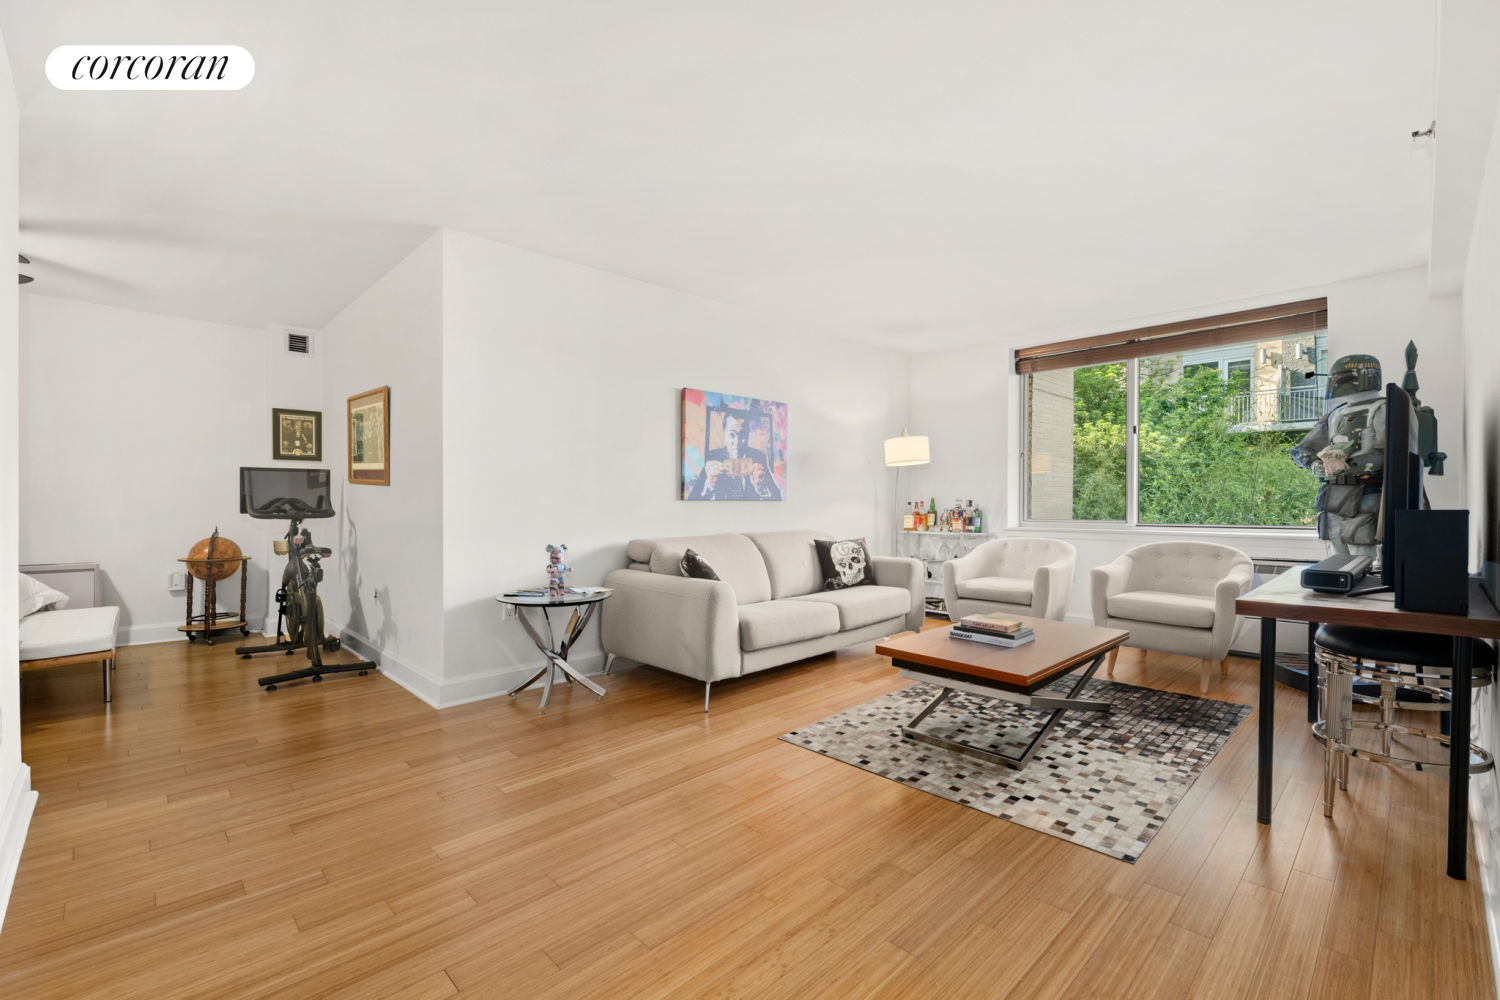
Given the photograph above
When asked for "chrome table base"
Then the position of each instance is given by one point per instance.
(557, 655)
(1058, 705)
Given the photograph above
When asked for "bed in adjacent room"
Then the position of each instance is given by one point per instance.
(62, 621)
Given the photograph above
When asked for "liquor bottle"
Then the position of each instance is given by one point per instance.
(918, 521)
(932, 516)
(978, 520)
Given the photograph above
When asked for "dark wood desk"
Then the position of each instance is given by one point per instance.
(1285, 599)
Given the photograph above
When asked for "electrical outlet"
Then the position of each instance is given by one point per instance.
(176, 581)
(510, 611)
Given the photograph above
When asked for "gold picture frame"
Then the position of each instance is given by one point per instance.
(369, 427)
(296, 435)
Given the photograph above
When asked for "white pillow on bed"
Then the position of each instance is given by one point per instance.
(35, 595)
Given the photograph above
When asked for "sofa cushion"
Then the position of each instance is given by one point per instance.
(1163, 608)
(791, 561)
(1003, 589)
(776, 623)
(734, 557)
(861, 606)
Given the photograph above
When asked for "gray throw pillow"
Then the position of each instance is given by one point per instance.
(694, 566)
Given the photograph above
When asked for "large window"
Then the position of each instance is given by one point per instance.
(1183, 430)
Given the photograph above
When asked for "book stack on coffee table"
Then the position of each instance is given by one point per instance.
(997, 630)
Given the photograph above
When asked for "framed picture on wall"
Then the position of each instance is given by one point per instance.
(296, 435)
(370, 437)
(733, 447)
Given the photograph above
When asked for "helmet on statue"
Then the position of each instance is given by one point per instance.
(1353, 373)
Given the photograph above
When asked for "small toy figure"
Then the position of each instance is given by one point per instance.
(556, 570)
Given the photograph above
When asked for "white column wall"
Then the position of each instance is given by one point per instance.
(17, 800)
(384, 585)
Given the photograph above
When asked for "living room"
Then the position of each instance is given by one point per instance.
(882, 222)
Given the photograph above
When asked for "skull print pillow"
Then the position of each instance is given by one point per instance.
(845, 564)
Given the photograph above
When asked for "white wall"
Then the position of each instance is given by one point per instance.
(390, 538)
(17, 800)
(968, 402)
(1481, 363)
(133, 429)
(562, 424)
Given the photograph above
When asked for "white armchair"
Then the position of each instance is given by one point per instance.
(1018, 576)
(1174, 597)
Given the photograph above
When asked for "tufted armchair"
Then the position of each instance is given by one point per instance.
(1018, 576)
(1174, 597)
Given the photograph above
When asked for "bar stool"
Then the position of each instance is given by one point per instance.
(1413, 671)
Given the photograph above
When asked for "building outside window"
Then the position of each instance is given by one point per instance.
(1215, 425)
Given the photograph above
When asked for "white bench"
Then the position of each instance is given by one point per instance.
(82, 632)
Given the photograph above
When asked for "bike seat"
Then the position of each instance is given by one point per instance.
(316, 550)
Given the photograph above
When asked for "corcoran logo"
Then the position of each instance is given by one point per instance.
(150, 67)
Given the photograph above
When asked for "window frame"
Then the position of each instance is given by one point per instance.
(1131, 524)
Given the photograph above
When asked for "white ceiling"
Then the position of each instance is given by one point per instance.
(916, 173)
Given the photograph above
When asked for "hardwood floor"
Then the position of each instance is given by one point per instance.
(201, 838)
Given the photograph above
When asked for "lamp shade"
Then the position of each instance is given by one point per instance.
(907, 449)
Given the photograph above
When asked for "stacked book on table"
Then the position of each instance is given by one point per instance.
(997, 630)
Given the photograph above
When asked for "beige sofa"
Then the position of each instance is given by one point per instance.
(768, 606)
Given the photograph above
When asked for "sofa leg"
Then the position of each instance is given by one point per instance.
(1109, 666)
(707, 685)
(609, 659)
(109, 693)
(1203, 680)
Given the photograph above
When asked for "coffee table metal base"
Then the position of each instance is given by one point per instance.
(557, 656)
(1058, 705)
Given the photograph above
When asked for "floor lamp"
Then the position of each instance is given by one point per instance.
(901, 452)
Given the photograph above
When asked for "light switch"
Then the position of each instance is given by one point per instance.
(176, 581)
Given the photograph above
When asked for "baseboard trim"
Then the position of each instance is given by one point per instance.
(20, 804)
(465, 688)
(477, 687)
(410, 676)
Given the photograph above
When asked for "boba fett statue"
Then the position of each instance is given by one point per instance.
(1346, 450)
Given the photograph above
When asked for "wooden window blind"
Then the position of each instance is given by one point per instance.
(1267, 323)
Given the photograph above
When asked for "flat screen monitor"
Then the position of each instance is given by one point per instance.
(285, 493)
(1403, 473)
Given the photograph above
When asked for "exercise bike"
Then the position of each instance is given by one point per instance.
(298, 603)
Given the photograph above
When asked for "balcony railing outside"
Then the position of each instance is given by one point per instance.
(1286, 406)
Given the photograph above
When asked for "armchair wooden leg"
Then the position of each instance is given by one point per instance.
(1109, 666)
(1203, 681)
(1224, 666)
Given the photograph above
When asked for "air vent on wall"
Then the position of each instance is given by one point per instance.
(297, 341)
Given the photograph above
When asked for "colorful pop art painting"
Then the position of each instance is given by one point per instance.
(733, 447)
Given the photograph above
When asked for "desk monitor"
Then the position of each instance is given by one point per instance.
(285, 494)
(1403, 473)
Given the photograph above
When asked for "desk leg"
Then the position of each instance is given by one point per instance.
(1312, 673)
(1458, 757)
(1267, 718)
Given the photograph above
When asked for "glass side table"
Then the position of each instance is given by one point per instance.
(584, 606)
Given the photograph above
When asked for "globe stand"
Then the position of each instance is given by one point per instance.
(211, 620)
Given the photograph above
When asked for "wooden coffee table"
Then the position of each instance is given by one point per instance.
(1008, 674)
